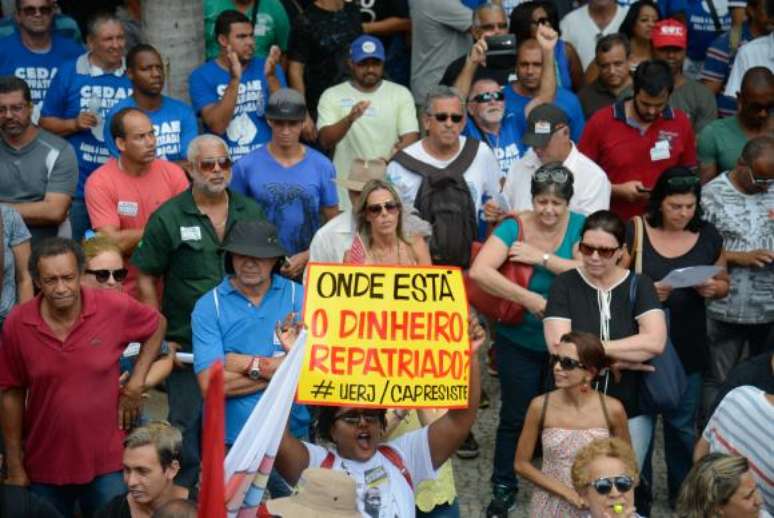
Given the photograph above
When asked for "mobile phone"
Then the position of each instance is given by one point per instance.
(501, 51)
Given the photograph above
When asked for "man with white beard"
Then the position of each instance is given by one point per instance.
(489, 123)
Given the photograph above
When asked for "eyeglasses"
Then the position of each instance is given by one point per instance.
(32, 10)
(603, 251)
(443, 116)
(567, 364)
(555, 175)
(103, 275)
(493, 26)
(762, 182)
(544, 20)
(682, 182)
(16, 109)
(488, 97)
(603, 486)
(353, 418)
(207, 165)
(391, 207)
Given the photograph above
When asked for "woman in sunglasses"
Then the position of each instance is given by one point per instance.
(550, 242)
(105, 270)
(674, 235)
(720, 485)
(604, 474)
(574, 416)
(383, 233)
(387, 473)
(602, 298)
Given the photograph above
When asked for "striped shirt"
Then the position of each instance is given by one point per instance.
(742, 425)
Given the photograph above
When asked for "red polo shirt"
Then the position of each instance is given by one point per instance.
(71, 432)
(625, 153)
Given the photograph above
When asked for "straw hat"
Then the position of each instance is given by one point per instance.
(320, 493)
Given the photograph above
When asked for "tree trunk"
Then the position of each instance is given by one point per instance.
(176, 29)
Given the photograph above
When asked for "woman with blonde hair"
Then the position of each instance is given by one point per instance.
(720, 485)
(386, 232)
(605, 474)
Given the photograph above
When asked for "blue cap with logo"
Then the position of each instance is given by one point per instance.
(366, 47)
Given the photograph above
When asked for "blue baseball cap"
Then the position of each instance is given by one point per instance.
(366, 47)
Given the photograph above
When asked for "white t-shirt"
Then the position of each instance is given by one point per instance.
(390, 115)
(756, 53)
(579, 29)
(388, 495)
(591, 188)
(333, 239)
(482, 175)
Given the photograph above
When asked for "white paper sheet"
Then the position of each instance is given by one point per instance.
(690, 276)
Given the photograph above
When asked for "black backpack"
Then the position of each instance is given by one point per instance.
(444, 201)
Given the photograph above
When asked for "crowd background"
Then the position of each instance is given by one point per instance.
(168, 169)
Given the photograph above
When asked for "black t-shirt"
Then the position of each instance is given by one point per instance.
(573, 298)
(18, 501)
(755, 371)
(496, 74)
(687, 315)
(377, 10)
(118, 507)
(320, 40)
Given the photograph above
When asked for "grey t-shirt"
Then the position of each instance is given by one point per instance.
(47, 164)
(439, 36)
(14, 233)
(698, 103)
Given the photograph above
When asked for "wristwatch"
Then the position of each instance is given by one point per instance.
(254, 370)
(545, 259)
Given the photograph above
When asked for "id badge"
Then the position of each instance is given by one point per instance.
(660, 151)
(375, 476)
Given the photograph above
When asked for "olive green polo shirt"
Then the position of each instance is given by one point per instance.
(180, 245)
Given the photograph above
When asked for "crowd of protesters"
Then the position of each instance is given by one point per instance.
(600, 149)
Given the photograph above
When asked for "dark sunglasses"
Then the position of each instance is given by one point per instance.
(603, 251)
(544, 20)
(603, 486)
(353, 418)
(103, 275)
(442, 117)
(488, 97)
(682, 182)
(552, 175)
(32, 10)
(391, 207)
(207, 165)
(493, 26)
(567, 364)
(763, 182)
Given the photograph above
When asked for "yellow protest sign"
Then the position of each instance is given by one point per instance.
(385, 336)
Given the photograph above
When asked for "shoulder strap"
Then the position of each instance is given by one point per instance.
(734, 38)
(633, 290)
(714, 15)
(639, 237)
(396, 460)
(457, 167)
(604, 411)
(328, 461)
(543, 411)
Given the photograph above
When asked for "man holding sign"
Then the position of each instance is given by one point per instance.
(393, 469)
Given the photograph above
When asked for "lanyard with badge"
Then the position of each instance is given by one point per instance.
(660, 150)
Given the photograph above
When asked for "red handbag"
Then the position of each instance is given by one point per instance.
(501, 310)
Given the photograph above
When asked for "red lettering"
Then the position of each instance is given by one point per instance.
(428, 364)
(405, 359)
(417, 326)
(398, 324)
(390, 354)
(344, 316)
(319, 323)
(355, 358)
(378, 324)
(372, 363)
(441, 324)
(317, 358)
(338, 358)
(456, 327)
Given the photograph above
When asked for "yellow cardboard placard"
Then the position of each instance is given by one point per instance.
(385, 337)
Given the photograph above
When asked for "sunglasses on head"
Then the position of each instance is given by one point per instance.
(102, 276)
(391, 207)
(567, 364)
(207, 165)
(681, 182)
(552, 175)
(603, 486)
(443, 117)
(31, 10)
(603, 251)
(488, 97)
(353, 418)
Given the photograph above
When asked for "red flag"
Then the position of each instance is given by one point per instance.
(212, 493)
(357, 254)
